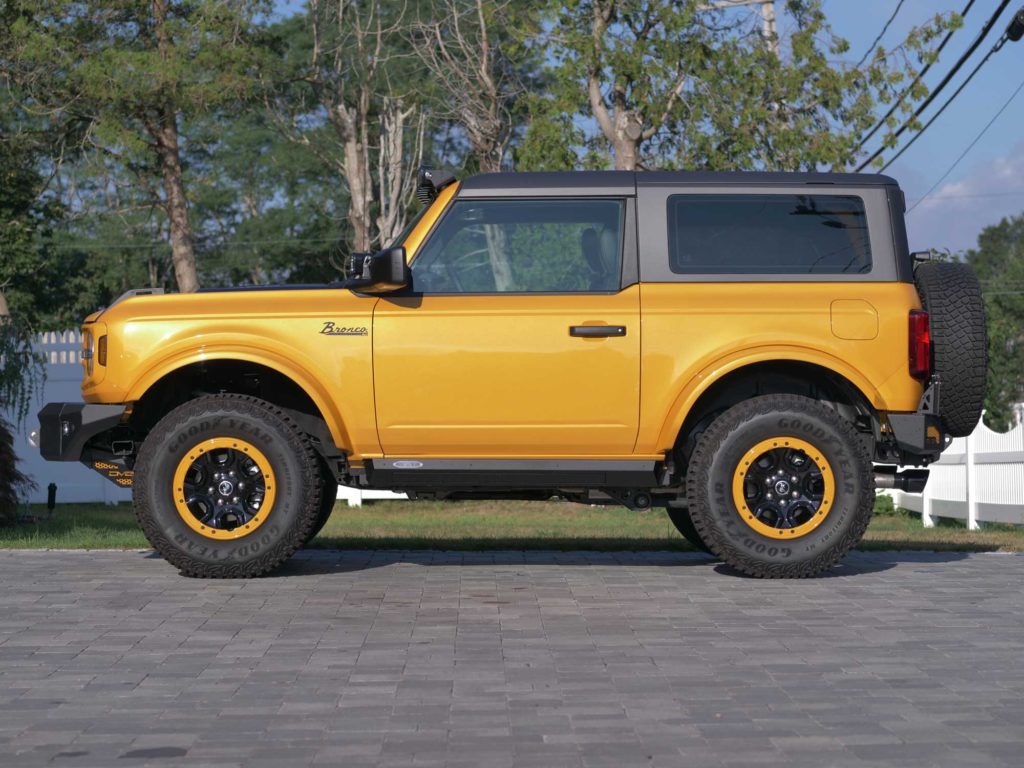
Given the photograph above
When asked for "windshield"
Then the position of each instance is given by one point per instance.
(409, 227)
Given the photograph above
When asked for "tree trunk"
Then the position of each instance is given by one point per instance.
(360, 192)
(183, 255)
(488, 158)
(4, 312)
(350, 124)
(625, 154)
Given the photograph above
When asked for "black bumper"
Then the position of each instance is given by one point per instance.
(920, 437)
(65, 428)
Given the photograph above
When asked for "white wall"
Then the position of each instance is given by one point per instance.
(75, 482)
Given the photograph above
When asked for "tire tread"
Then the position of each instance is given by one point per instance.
(698, 480)
(294, 538)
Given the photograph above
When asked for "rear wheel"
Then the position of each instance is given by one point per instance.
(780, 486)
(226, 486)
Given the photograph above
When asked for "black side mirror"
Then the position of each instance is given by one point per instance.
(382, 272)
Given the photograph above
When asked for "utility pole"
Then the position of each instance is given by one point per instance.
(768, 28)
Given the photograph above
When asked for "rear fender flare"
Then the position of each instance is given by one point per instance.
(690, 393)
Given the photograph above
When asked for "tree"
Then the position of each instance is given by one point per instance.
(21, 219)
(268, 210)
(684, 84)
(346, 99)
(474, 53)
(128, 73)
(999, 263)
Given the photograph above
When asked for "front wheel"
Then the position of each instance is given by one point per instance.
(226, 487)
(780, 486)
(680, 517)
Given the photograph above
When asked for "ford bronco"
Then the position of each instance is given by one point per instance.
(753, 352)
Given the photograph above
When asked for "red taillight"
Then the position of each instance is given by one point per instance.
(920, 345)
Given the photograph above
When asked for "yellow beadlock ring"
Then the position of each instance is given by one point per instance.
(748, 460)
(202, 450)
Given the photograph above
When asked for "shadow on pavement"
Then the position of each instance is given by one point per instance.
(314, 562)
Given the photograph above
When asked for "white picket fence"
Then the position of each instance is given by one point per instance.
(980, 478)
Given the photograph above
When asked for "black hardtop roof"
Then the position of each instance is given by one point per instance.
(614, 182)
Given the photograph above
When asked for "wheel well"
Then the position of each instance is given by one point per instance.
(240, 377)
(776, 378)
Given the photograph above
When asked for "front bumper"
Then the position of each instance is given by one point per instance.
(65, 428)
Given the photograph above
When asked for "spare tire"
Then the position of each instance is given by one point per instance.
(951, 295)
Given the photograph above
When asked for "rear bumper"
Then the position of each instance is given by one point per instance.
(919, 436)
(65, 428)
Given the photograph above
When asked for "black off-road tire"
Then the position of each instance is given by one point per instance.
(680, 517)
(289, 521)
(951, 294)
(328, 498)
(718, 453)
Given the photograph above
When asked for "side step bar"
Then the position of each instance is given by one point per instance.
(510, 473)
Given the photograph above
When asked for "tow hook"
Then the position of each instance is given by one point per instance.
(909, 480)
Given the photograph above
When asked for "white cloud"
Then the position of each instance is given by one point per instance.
(953, 215)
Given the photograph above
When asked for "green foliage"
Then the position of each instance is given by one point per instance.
(108, 64)
(999, 263)
(268, 209)
(697, 88)
(12, 482)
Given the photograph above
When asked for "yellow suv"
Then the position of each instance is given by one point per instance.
(753, 352)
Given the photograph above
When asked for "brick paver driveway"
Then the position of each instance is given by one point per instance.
(511, 659)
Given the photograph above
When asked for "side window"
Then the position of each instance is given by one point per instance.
(768, 234)
(512, 246)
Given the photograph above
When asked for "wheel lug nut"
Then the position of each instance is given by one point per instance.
(768, 496)
(234, 499)
(793, 478)
(795, 495)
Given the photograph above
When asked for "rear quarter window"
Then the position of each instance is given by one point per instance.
(762, 234)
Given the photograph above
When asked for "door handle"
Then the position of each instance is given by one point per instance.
(596, 331)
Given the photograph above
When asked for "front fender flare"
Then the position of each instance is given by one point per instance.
(299, 374)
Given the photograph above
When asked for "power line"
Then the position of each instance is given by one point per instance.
(100, 246)
(945, 81)
(969, 146)
(948, 101)
(1019, 193)
(915, 81)
(880, 34)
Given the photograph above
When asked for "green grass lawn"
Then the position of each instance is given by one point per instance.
(489, 525)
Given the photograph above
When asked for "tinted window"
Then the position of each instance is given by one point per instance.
(502, 246)
(768, 234)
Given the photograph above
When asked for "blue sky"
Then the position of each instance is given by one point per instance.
(988, 184)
